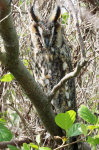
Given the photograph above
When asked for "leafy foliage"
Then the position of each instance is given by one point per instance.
(44, 148)
(38, 139)
(33, 145)
(7, 78)
(11, 147)
(86, 114)
(65, 120)
(26, 146)
(74, 130)
(65, 17)
(84, 129)
(5, 133)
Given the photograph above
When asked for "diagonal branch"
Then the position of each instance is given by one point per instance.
(70, 75)
(62, 146)
(12, 62)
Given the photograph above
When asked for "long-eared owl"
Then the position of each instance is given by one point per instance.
(52, 58)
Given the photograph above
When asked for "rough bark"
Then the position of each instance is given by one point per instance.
(13, 63)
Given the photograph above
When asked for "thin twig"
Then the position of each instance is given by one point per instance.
(26, 125)
(72, 142)
(67, 77)
(5, 17)
(23, 12)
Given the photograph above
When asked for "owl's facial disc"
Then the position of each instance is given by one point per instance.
(46, 32)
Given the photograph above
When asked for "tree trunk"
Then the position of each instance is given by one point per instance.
(12, 62)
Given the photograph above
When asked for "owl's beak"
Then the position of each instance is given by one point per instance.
(47, 42)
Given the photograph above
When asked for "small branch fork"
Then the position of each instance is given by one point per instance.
(80, 64)
(62, 146)
(79, 140)
(67, 77)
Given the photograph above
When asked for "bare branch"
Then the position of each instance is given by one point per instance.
(25, 123)
(70, 75)
(72, 143)
(5, 17)
(23, 12)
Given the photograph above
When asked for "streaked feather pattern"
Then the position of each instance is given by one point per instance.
(52, 58)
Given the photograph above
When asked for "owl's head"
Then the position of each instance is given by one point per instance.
(49, 30)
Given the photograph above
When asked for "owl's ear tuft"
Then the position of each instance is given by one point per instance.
(55, 14)
(35, 15)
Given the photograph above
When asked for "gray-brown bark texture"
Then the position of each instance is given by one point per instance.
(12, 62)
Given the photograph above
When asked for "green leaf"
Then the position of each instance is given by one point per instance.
(65, 17)
(28, 48)
(91, 141)
(84, 129)
(7, 78)
(38, 139)
(20, 2)
(5, 133)
(74, 130)
(44, 148)
(86, 114)
(2, 123)
(25, 62)
(92, 127)
(15, 116)
(26, 146)
(94, 147)
(11, 147)
(65, 120)
(34, 146)
(12, 92)
(2, 120)
(96, 139)
(96, 136)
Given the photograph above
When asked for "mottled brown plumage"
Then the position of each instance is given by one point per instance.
(52, 58)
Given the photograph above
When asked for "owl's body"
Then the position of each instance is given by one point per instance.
(52, 58)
